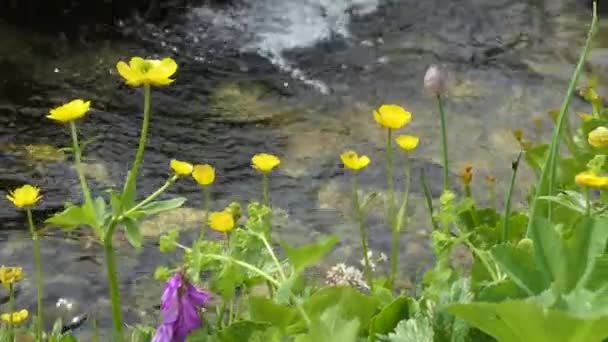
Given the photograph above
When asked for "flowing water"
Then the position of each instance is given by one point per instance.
(295, 78)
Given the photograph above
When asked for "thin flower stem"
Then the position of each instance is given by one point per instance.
(429, 199)
(206, 206)
(113, 283)
(273, 256)
(86, 193)
(265, 199)
(143, 137)
(363, 230)
(588, 201)
(468, 193)
(37, 265)
(505, 223)
(150, 198)
(11, 309)
(444, 142)
(391, 194)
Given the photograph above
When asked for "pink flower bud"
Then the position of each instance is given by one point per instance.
(435, 80)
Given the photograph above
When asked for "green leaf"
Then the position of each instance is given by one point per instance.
(115, 202)
(160, 206)
(307, 255)
(132, 232)
(598, 277)
(587, 243)
(548, 251)
(262, 309)
(521, 266)
(568, 199)
(525, 320)
(417, 329)
(74, 216)
(332, 326)
(353, 304)
(242, 331)
(387, 319)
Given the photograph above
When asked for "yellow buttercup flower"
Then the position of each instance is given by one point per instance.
(598, 137)
(25, 196)
(353, 161)
(153, 72)
(222, 221)
(265, 162)
(407, 142)
(10, 275)
(181, 168)
(204, 174)
(70, 111)
(392, 116)
(15, 317)
(591, 180)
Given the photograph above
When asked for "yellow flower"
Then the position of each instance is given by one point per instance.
(591, 180)
(598, 137)
(10, 275)
(141, 71)
(353, 161)
(15, 317)
(204, 174)
(466, 175)
(392, 116)
(181, 168)
(24, 196)
(265, 162)
(407, 142)
(70, 111)
(222, 221)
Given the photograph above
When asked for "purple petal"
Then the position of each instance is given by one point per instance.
(197, 296)
(164, 333)
(170, 295)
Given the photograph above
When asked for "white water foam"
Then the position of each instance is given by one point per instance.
(271, 27)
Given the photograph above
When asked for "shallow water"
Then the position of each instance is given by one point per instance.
(295, 78)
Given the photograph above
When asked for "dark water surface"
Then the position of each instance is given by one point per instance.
(295, 78)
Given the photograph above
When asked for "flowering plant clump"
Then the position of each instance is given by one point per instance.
(537, 271)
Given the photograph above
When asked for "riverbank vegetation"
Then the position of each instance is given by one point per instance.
(537, 274)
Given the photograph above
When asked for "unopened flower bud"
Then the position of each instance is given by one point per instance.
(435, 80)
(598, 137)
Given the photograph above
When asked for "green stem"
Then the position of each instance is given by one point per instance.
(505, 219)
(143, 137)
(363, 231)
(429, 199)
(250, 267)
(206, 206)
(546, 183)
(389, 177)
(444, 142)
(220, 316)
(78, 163)
(11, 309)
(37, 264)
(273, 256)
(113, 283)
(474, 214)
(150, 198)
(265, 199)
(588, 201)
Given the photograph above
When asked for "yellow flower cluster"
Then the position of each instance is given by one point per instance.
(353, 161)
(153, 72)
(203, 174)
(10, 275)
(15, 317)
(70, 111)
(25, 196)
(392, 116)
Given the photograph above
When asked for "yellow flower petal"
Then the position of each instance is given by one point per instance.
(265, 162)
(591, 180)
(353, 161)
(392, 116)
(131, 77)
(25, 196)
(70, 111)
(10, 275)
(204, 174)
(407, 142)
(222, 221)
(598, 137)
(15, 317)
(181, 168)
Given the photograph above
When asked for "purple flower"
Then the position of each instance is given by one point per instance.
(180, 305)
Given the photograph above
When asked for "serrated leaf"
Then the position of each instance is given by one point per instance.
(307, 255)
(132, 232)
(521, 267)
